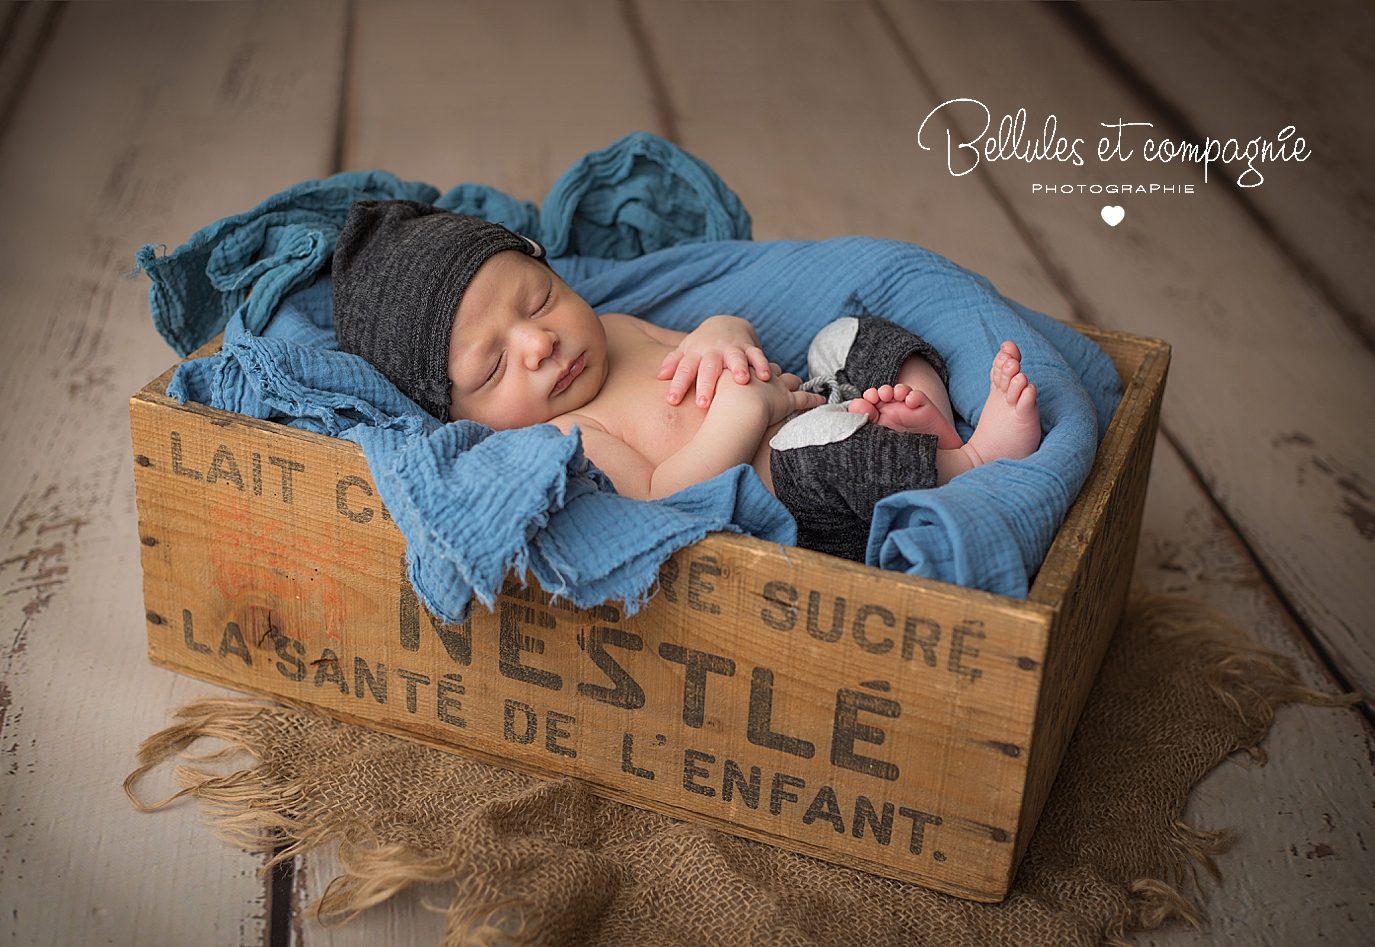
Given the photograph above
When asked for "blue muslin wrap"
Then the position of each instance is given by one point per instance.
(639, 227)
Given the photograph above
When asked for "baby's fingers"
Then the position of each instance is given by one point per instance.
(806, 400)
(682, 377)
(738, 366)
(707, 372)
(758, 362)
(670, 363)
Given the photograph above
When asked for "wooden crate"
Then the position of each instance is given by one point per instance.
(895, 724)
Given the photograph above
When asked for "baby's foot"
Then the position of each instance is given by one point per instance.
(1010, 426)
(906, 409)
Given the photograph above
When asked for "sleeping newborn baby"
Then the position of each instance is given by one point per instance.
(468, 320)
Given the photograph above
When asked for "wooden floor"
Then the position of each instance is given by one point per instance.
(122, 124)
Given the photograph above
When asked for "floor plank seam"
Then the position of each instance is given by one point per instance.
(51, 14)
(336, 161)
(1087, 31)
(1337, 677)
(660, 101)
(281, 901)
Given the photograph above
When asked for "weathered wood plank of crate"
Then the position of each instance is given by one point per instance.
(1086, 573)
(137, 122)
(1243, 321)
(308, 607)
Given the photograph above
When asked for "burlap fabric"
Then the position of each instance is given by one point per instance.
(547, 862)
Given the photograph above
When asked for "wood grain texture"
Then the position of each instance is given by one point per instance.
(268, 565)
(1249, 333)
(1239, 71)
(139, 124)
(1300, 870)
(1087, 571)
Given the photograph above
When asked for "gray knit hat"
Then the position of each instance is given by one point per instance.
(400, 269)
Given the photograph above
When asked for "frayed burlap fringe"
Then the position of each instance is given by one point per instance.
(1252, 682)
(256, 810)
(537, 861)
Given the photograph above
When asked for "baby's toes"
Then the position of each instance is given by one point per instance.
(864, 407)
(871, 395)
(1027, 400)
(1015, 387)
(1011, 368)
(915, 399)
(996, 369)
(885, 392)
(1001, 375)
(900, 391)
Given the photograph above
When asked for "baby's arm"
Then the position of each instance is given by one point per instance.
(729, 435)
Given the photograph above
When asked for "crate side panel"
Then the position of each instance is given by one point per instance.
(1140, 364)
(1103, 532)
(1127, 351)
(778, 694)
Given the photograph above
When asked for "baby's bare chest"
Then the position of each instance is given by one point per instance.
(632, 404)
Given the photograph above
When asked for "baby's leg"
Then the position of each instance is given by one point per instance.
(917, 404)
(865, 361)
(1009, 427)
(830, 467)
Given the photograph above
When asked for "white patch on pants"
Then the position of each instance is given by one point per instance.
(824, 425)
(826, 355)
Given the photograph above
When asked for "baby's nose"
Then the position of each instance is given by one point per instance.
(539, 344)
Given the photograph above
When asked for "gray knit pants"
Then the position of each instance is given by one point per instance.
(830, 467)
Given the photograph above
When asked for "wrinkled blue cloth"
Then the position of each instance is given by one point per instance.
(644, 228)
(639, 194)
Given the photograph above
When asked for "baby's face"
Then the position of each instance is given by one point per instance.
(518, 332)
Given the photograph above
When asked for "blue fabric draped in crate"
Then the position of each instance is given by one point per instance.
(638, 195)
(467, 521)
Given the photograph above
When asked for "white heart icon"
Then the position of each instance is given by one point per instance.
(1112, 215)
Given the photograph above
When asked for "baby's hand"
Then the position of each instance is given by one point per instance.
(781, 396)
(727, 342)
(785, 396)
